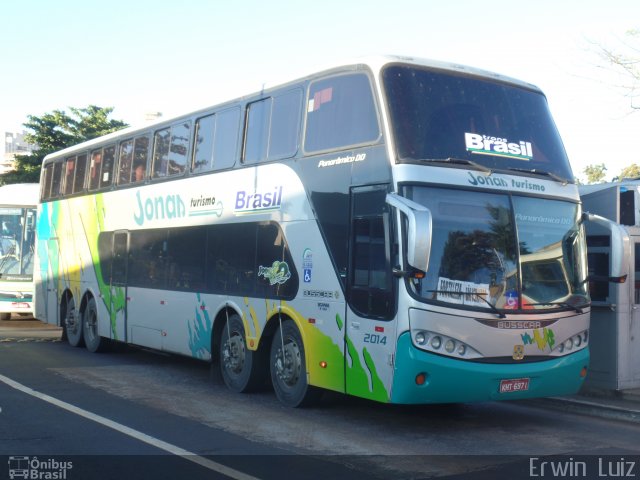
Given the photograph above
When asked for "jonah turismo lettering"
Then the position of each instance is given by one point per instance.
(501, 147)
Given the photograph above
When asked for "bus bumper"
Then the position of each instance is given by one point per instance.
(449, 380)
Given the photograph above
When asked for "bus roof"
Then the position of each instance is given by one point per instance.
(19, 194)
(375, 63)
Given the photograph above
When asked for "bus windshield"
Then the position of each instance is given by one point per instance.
(439, 116)
(17, 243)
(497, 251)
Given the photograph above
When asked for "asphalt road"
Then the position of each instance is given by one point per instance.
(138, 414)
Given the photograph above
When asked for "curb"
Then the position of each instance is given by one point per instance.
(624, 412)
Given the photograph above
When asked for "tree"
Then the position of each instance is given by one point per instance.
(626, 60)
(631, 171)
(595, 173)
(57, 130)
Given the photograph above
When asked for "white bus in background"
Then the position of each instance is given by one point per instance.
(18, 204)
(402, 230)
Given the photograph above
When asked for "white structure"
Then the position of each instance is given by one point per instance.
(615, 314)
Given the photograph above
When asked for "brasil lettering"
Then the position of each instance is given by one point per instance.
(158, 208)
(501, 147)
(258, 202)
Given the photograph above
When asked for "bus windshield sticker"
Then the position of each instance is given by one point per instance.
(501, 147)
(462, 293)
(277, 273)
(307, 264)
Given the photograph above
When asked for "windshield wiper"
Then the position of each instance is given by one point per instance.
(576, 308)
(543, 173)
(479, 295)
(458, 161)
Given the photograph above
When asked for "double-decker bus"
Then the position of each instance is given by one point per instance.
(18, 204)
(401, 230)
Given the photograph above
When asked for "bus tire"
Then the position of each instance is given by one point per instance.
(288, 368)
(241, 368)
(92, 339)
(72, 328)
(5, 316)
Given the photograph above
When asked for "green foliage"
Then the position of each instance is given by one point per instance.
(57, 130)
(631, 171)
(595, 173)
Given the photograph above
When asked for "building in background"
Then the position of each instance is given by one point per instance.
(14, 144)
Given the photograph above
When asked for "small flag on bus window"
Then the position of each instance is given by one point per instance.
(321, 96)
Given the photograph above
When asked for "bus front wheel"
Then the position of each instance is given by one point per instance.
(288, 368)
(242, 369)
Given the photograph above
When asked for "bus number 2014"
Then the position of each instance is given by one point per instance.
(375, 338)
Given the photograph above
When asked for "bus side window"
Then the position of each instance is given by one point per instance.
(161, 143)
(216, 141)
(94, 169)
(125, 161)
(56, 181)
(203, 148)
(140, 156)
(285, 125)
(272, 127)
(179, 150)
(257, 131)
(46, 183)
(108, 165)
(341, 112)
(225, 143)
(69, 171)
(81, 173)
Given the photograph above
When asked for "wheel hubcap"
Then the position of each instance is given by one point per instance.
(289, 365)
(233, 354)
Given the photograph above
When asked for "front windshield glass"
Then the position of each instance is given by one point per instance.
(496, 251)
(440, 115)
(17, 243)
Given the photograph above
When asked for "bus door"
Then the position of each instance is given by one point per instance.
(117, 298)
(51, 282)
(371, 329)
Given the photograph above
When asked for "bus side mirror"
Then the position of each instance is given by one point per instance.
(619, 239)
(419, 230)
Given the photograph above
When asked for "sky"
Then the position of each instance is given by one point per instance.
(142, 56)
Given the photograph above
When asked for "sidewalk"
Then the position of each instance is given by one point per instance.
(620, 405)
(20, 328)
(613, 404)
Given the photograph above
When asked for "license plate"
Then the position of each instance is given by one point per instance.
(514, 385)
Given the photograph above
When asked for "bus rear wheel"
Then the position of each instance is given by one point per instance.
(92, 339)
(72, 324)
(288, 368)
(242, 369)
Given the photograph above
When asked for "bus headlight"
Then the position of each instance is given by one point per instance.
(443, 344)
(421, 338)
(573, 343)
(450, 346)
